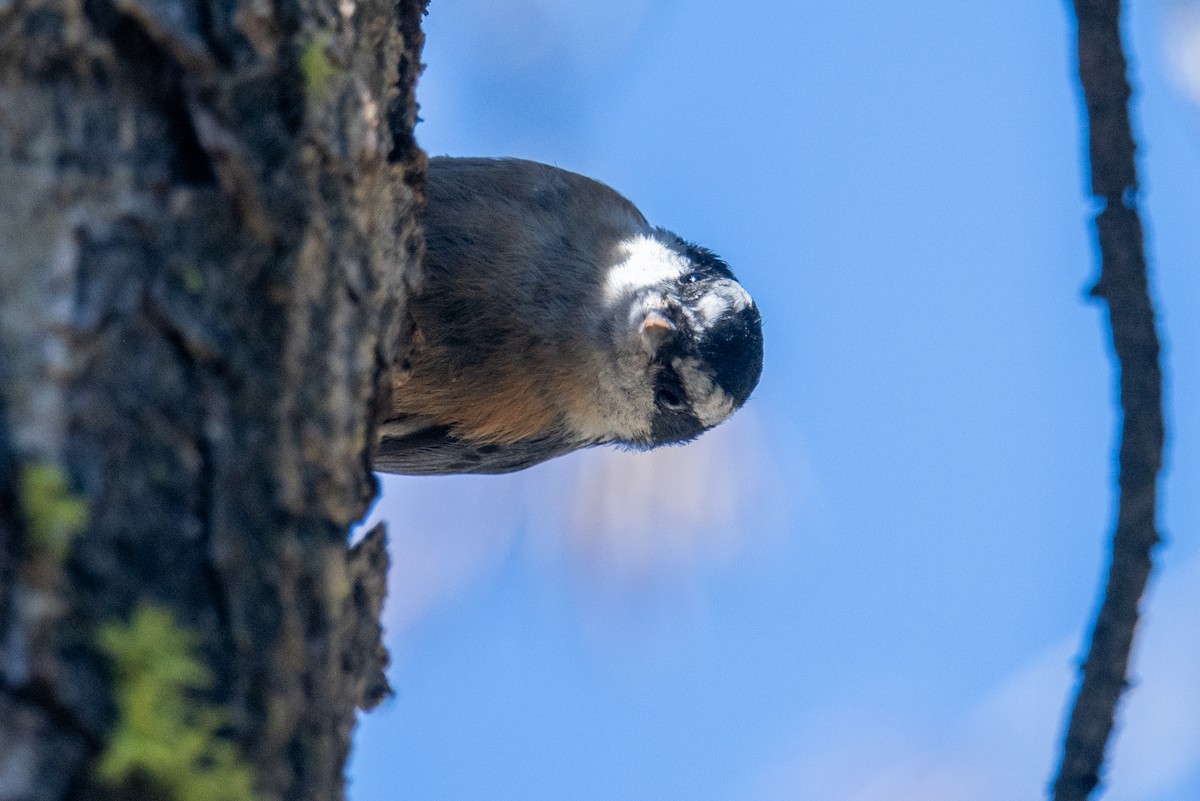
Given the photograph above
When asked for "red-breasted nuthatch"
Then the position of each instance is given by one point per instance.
(553, 317)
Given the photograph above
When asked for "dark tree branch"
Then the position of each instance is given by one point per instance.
(1124, 286)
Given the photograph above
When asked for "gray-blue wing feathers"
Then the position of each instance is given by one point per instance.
(435, 451)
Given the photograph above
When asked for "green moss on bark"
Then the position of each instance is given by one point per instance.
(165, 734)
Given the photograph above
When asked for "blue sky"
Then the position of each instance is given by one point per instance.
(873, 583)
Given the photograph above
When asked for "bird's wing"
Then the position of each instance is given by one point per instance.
(435, 451)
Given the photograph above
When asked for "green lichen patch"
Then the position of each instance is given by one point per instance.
(316, 66)
(193, 280)
(164, 734)
(53, 516)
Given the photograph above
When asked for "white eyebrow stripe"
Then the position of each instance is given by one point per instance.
(722, 298)
(739, 298)
(642, 261)
(710, 307)
(708, 401)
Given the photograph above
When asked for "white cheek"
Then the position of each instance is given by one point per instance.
(641, 262)
(709, 402)
(621, 411)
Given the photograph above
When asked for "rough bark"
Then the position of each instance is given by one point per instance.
(1124, 285)
(207, 233)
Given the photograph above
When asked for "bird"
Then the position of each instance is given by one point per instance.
(550, 316)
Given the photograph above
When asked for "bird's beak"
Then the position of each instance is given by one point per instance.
(656, 329)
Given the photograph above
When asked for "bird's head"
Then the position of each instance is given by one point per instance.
(685, 337)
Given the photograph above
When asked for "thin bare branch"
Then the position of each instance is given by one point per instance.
(1124, 286)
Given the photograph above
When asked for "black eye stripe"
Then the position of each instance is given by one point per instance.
(670, 399)
(668, 378)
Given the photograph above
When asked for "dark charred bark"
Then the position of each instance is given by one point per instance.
(207, 234)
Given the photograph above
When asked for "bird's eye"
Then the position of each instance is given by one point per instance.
(691, 278)
(669, 400)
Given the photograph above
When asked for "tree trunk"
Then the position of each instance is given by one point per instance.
(207, 233)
